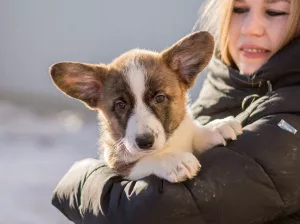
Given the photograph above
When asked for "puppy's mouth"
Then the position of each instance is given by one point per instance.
(135, 150)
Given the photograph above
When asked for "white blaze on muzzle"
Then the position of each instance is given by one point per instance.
(144, 131)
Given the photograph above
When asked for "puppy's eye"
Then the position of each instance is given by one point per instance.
(120, 105)
(160, 98)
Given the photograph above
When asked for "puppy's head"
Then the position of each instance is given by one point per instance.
(141, 95)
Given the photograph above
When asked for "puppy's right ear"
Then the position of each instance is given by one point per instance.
(189, 56)
(79, 80)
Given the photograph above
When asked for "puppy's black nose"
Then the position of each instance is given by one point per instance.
(145, 141)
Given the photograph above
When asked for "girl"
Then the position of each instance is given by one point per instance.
(254, 75)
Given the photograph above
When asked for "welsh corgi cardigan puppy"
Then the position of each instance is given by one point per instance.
(141, 97)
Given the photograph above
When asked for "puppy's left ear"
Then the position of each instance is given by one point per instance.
(189, 56)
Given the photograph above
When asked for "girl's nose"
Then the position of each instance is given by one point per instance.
(253, 25)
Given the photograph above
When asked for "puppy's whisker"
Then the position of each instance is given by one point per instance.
(128, 148)
(118, 143)
(126, 157)
(124, 154)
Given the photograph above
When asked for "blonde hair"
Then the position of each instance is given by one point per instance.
(215, 17)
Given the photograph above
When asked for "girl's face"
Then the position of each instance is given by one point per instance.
(255, 32)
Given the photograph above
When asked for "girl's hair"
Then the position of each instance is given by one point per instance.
(215, 17)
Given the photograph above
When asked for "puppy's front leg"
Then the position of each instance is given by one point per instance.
(172, 166)
(216, 133)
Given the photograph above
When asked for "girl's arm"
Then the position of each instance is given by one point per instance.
(255, 179)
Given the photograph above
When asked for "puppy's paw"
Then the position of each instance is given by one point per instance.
(227, 128)
(178, 167)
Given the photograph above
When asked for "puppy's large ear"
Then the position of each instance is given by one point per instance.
(189, 56)
(81, 81)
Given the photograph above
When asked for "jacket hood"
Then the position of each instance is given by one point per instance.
(282, 69)
(277, 81)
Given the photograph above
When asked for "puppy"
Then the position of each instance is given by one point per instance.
(141, 97)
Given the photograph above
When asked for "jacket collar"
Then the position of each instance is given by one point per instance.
(281, 70)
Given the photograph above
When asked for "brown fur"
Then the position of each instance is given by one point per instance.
(187, 59)
(171, 72)
(159, 77)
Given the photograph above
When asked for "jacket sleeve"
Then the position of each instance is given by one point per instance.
(92, 193)
(255, 179)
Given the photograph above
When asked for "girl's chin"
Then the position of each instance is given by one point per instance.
(247, 73)
(249, 69)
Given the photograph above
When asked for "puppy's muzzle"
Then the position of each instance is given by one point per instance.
(145, 141)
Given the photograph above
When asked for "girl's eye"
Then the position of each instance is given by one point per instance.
(276, 13)
(160, 98)
(239, 10)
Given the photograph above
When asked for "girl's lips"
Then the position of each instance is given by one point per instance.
(254, 51)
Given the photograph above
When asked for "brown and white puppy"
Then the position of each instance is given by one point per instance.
(141, 97)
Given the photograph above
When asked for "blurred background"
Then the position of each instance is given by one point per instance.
(42, 132)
